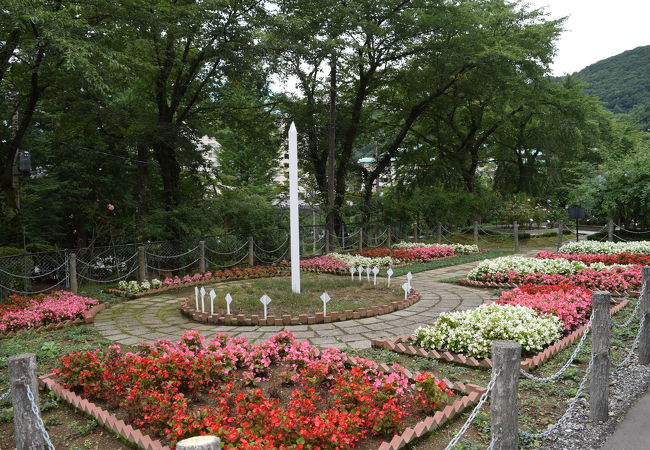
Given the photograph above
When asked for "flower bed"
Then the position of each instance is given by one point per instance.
(188, 308)
(571, 304)
(595, 247)
(280, 392)
(604, 258)
(54, 309)
(459, 249)
(405, 345)
(134, 290)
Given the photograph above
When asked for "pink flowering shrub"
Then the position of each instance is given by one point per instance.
(51, 308)
(617, 278)
(430, 253)
(322, 263)
(570, 303)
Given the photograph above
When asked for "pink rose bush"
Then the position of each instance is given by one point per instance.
(570, 303)
(42, 310)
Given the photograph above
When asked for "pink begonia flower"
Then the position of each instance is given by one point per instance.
(110, 207)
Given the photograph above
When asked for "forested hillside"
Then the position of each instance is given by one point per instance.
(622, 81)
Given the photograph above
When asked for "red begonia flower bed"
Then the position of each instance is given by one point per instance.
(608, 259)
(278, 394)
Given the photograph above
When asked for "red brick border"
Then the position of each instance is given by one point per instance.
(471, 395)
(88, 317)
(495, 285)
(187, 309)
(403, 345)
(211, 280)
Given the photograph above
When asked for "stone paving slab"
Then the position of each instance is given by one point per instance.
(150, 318)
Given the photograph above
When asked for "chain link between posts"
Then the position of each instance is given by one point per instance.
(39, 421)
(5, 395)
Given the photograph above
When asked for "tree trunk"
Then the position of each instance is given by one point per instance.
(332, 212)
(142, 187)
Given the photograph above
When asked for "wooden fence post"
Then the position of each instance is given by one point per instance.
(361, 239)
(22, 371)
(439, 233)
(599, 387)
(327, 241)
(142, 264)
(72, 272)
(202, 256)
(199, 443)
(251, 251)
(644, 313)
(506, 358)
(389, 239)
(560, 234)
(515, 228)
(610, 230)
(416, 232)
(476, 233)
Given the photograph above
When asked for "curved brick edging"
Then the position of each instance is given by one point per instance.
(404, 345)
(88, 317)
(281, 272)
(471, 395)
(496, 285)
(302, 319)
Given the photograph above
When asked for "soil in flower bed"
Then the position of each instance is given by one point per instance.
(280, 392)
(344, 294)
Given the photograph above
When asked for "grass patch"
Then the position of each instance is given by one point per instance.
(344, 294)
(446, 262)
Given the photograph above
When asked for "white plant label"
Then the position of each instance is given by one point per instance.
(202, 299)
(212, 297)
(325, 298)
(406, 288)
(352, 270)
(409, 277)
(360, 270)
(389, 272)
(196, 297)
(375, 271)
(228, 301)
(265, 299)
(368, 270)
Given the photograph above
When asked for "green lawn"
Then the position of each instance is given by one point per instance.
(446, 262)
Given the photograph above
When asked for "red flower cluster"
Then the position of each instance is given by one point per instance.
(17, 302)
(570, 303)
(608, 259)
(229, 388)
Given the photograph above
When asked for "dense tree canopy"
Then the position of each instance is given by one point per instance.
(451, 99)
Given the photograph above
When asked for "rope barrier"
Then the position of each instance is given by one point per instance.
(229, 253)
(271, 251)
(173, 256)
(172, 270)
(635, 344)
(225, 267)
(39, 421)
(633, 232)
(33, 277)
(622, 239)
(135, 268)
(115, 266)
(32, 292)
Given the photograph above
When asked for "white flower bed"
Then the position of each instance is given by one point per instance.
(357, 260)
(472, 332)
(133, 287)
(609, 248)
(459, 249)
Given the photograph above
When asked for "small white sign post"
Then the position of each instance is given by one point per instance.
(389, 272)
(228, 301)
(406, 288)
(360, 270)
(368, 270)
(196, 297)
(265, 299)
(375, 271)
(409, 277)
(325, 298)
(352, 270)
(293, 209)
(202, 299)
(212, 297)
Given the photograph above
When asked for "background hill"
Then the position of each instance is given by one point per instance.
(622, 82)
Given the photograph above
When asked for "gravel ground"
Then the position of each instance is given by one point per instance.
(626, 385)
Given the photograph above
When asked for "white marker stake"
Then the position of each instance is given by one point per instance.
(228, 301)
(212, 296)
(352, 270)
(196, 297)
(390, 273)
(406, 288)
(202, 299)
(325, 298)
(360, 270)
(375, 271)
(409, 277)
(368, 270)
(265, 299)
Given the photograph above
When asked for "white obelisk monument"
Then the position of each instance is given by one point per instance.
(293, 209)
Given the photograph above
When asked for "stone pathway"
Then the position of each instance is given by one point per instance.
(156, 317)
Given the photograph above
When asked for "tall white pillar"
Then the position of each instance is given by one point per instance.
(293, 209)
